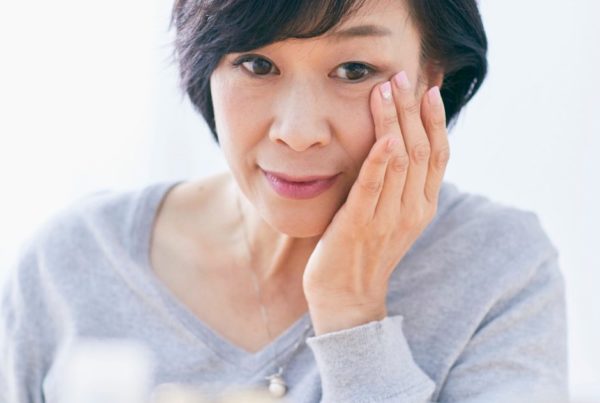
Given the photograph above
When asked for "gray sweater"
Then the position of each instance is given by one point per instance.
(476, 312)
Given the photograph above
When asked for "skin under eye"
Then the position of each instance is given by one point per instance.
(258, 66)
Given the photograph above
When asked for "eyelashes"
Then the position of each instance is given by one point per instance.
(259, 67)
(254, 61)
(356, 67)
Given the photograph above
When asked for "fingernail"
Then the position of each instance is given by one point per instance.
(402, 80)
(435, 98)
(386, 91)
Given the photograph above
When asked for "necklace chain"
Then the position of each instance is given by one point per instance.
(277, 385)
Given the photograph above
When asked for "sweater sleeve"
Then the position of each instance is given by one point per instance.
(519, 351)
(23, 337)
(517, 354)
(369, 363)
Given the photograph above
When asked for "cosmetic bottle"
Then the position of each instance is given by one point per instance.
(106, 371)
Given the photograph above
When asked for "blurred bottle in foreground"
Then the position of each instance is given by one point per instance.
(176, 393)
(107, 371)
(122, 371)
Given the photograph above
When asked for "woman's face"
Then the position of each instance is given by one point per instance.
(300, 107)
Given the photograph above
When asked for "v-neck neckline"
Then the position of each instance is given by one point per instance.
(274, 353)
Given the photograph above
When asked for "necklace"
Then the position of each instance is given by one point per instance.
(277, 385)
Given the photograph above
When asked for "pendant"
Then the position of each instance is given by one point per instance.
(277, 386)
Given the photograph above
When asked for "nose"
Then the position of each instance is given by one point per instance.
(300, 120)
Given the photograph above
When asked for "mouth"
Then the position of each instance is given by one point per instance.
(299, 187)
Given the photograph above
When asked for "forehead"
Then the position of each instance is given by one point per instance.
(378, 27)
(374, 19)
(382, 25)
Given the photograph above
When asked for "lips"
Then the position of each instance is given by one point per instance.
(299, 187)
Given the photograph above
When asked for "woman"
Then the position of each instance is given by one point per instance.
(331, 263)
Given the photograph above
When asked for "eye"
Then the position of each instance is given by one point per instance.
(259, 66)
(255, 65)
(354, 71)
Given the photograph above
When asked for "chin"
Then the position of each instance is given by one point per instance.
(307, 218)
(297, 231)
(300, 222)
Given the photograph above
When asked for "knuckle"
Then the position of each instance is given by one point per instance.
(431, 194)
(439, 122)
(411, 107)
(371, 186)
(390, 119)
(379, 160)
(441, 158)
(437, 119)
(420, 152)
(400, 163)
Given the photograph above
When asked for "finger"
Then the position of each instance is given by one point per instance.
(364, 194)
(387, 123)
(415, 138)
(434, 117)
(385, 116)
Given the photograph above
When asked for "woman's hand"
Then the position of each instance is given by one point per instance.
(392, 201)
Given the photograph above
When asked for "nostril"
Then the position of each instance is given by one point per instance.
(299, 139)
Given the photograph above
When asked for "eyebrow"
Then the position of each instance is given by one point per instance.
(360, 31)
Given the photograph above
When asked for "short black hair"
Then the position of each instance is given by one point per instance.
(452, 38)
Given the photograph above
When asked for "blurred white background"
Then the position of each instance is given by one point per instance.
(89, 100)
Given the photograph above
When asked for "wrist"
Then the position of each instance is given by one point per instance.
(332, 319)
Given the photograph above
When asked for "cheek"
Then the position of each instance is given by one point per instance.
(228, 106)
(356, 130)
(237, 116)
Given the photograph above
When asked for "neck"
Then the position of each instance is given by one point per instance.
(274, 256)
